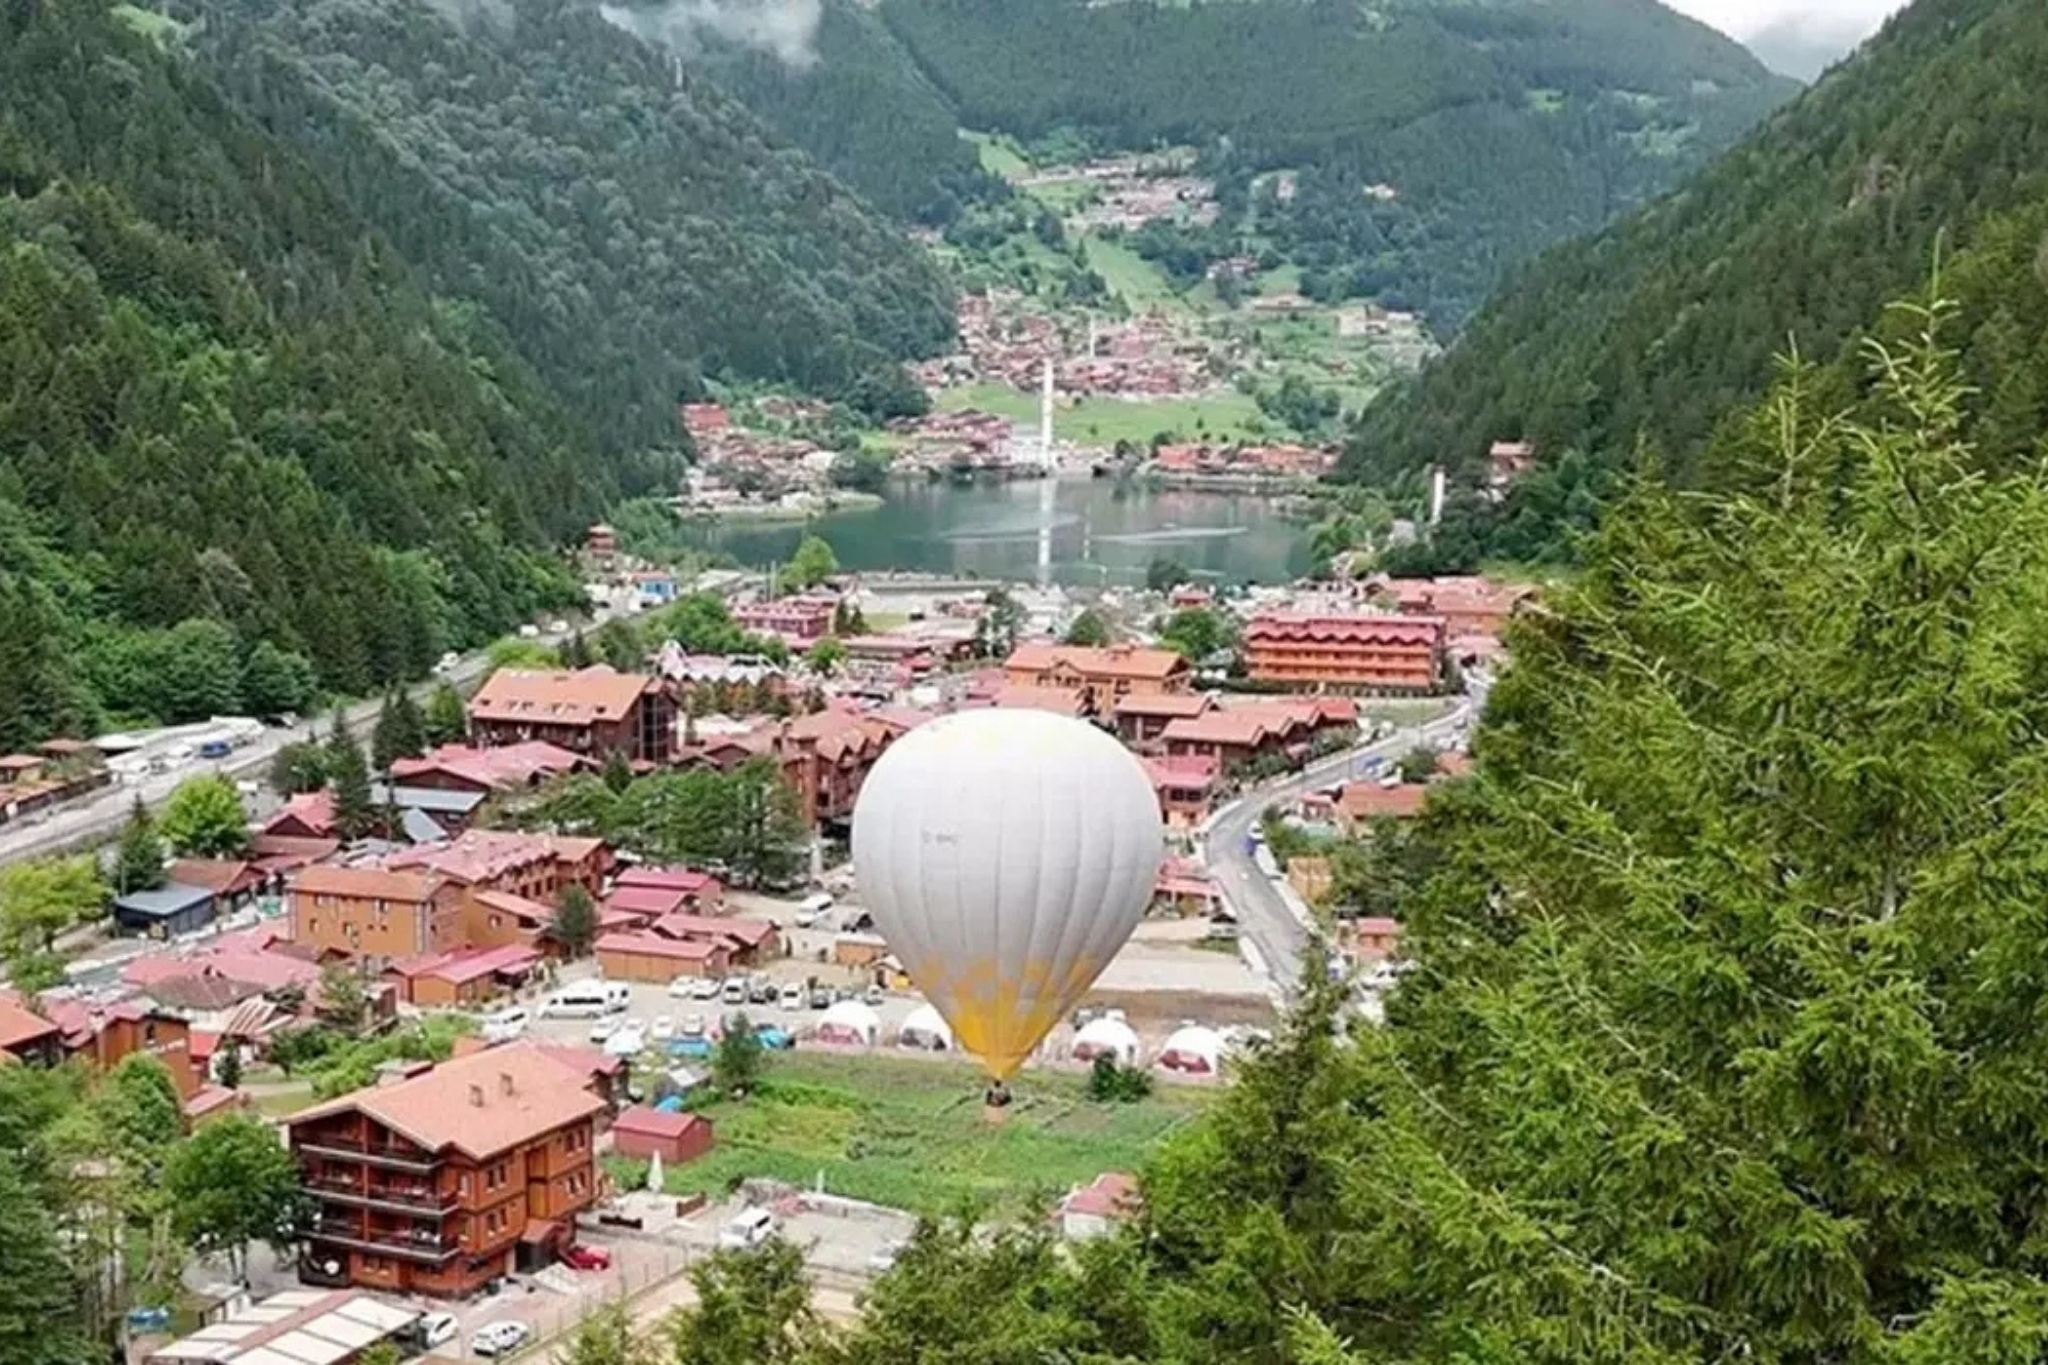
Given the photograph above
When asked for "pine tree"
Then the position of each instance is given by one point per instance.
(349, 775)
(139, 861)
(574, 925)
(445, 721)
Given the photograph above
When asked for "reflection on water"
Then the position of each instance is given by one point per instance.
(1099, 533)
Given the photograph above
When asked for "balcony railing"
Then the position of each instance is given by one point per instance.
(425, 1247)
(396, 1157)
(401, 1199)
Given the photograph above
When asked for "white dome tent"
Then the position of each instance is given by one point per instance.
(852, 1022)
(1193, 1049)
(1106, 1037)
(923, 1028)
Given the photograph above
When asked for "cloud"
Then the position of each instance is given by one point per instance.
(785, 29)
(1850, 20)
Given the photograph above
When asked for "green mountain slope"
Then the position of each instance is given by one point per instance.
(234, 435)
(1657, 327)
(1501, 126)
(865, 112)
(626, 226)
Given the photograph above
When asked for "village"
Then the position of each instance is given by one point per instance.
(575, 993)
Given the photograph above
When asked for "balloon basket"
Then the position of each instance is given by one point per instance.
(995, 1103)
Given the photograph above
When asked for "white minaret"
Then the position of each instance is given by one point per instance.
(1045, 459)
(1436, 494)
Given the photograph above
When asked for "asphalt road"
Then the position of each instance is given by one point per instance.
(98, 820)
(1261, 912)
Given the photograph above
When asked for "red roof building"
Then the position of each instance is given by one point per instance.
(674, 1137)
(509, 767)
(1105, 676)
(1349, 653)
(592, 711)
(1361, 802)
(637, 955)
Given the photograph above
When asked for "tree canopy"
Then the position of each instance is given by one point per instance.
(205, 818)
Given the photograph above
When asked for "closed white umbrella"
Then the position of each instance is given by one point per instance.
(1006, 856)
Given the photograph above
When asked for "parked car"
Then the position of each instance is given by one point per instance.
(582, 1257)
(821, 997)
(664, 1028)
(503, 1025)
(734, 992)
(773, 1037)
(761, 991)
(604, 1027)
(813, 909)
(792, 996)
(500, 1338)
(749, 1228)
(685, 987)
(626, 1040)
(884, 1256)
(704, 988)
(875, 995)
(435, 1329)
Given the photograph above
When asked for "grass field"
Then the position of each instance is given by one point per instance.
(1130, 275)
(998, 155)
(1105, 421)
(911, 1134)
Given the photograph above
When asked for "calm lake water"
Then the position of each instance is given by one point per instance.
(1100, 533)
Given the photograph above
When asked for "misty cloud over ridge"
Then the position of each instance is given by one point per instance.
(785, 29)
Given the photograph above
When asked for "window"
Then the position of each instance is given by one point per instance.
(462, 1184)
(149, 1031)
(312, 925)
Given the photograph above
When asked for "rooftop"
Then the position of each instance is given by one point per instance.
(558, 697)
(481, 1104)
(502, 768)
(366, 883)
(1114, 661)
(297, 1327)
(19, 1027)
(656, 1122)
(171, 898)
(1064, 701)
(477, 855)
(1354, 628)
(654, 945)
(1369, 800)
(1170, 705)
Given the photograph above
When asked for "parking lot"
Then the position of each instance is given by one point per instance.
(1159, 980)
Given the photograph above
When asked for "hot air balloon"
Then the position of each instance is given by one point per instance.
(1006, 855)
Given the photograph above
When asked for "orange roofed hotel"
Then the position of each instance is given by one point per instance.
(593, 711)
(1345, 653)
(441, 1183)
(1103, 677)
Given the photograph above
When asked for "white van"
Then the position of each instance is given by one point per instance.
(584, 1000)
(748, 1229)
(813, 909)
(503, 1025)
(734, 991)
(618, 997)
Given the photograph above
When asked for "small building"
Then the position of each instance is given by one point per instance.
(26, 1036)
(1141, 719)
(801, 620)
(1105, 676)
(1359, 803)
(746, 941)
(234, 882)
(701, 892)
(172, 909)
(859, 950)
(674, 1137)
(297, 1327)
(1375, 936)
(462, 978)
(1094, 1209)
(627, 955)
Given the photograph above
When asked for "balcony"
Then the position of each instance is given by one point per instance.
(423, 1200)
(397, 1158)
(425, 1247)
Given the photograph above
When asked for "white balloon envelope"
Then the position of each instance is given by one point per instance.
(1006, 855)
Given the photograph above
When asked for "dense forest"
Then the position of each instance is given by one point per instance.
(1499, 127)
(1923, 154)
(241, 453)
(865, 112)
(625, 227)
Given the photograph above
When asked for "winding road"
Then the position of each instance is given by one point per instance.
(1263, 914)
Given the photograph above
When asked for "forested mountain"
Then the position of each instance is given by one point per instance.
(865, 111)
(1499, 127)
(238, 445)
(1928, 148)
(626, 227)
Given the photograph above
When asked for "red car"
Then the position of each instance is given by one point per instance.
(587, 1258)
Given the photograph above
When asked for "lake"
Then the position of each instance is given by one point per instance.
(1100, 532)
